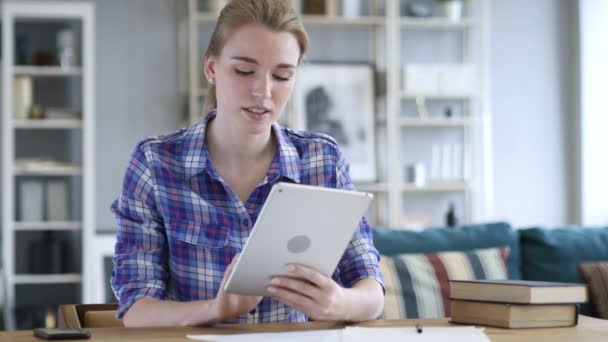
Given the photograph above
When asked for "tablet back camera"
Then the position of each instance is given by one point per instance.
(298, 244)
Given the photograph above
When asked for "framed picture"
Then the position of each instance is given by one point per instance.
(338, 100)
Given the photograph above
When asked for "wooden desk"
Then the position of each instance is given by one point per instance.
(589, 329)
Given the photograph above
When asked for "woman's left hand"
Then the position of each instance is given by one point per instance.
(317, 296)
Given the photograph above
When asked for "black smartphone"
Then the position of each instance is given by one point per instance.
(62, 334)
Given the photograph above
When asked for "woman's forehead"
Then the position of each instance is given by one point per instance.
(263, 45)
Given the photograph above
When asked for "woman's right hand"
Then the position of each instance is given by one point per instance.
(228, 305)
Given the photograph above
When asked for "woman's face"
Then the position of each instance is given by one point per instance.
(254, 76)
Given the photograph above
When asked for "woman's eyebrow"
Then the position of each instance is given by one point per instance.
(254, 61)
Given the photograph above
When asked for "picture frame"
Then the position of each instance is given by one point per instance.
(338, 100)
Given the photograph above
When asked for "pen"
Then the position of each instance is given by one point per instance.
(419, 328)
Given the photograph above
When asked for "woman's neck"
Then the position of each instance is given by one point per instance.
(229, 147)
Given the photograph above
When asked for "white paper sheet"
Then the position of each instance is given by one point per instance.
(291, 336)
(358, 334)
(452, 334)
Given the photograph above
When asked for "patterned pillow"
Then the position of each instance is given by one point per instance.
(417, 284)
(596, 277)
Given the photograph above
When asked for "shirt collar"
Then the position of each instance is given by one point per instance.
(288, 156)
(196, 155)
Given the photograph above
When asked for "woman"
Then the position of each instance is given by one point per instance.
(190, 198)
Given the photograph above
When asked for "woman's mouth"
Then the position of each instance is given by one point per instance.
(256, 112)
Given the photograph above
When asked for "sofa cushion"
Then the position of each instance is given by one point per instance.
(392, 242)
(554, 254)
(596, 276)
(417, 285)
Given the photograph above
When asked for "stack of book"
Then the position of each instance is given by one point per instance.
(516, 303)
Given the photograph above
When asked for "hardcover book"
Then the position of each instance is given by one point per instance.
(507, 315)
(518, 291)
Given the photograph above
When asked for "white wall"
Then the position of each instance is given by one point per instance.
(136, 87)
(533, 79)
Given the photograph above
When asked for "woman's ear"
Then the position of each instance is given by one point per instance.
(209, 68)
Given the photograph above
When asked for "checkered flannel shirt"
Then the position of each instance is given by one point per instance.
(180, 225)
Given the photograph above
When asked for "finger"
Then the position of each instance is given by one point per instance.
(228, 271)
(295, 300)
(309, 274)
(297, 285)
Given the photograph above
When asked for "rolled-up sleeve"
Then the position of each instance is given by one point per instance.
(140, 259)
(361, 258)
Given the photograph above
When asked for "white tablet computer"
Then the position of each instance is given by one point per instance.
(299, 224)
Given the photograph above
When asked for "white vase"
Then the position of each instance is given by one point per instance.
(351, 8)
(452, 10)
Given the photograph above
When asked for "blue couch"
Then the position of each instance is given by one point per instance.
(535, 253)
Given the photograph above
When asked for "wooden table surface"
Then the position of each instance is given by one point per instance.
(588, 329)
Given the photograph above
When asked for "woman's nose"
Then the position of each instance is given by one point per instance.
(262, 87)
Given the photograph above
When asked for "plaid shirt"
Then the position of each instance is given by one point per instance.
(180, 225)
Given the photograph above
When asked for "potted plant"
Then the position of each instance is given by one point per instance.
(451, 9)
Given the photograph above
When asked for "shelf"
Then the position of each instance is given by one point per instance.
(206, 18)
(434, 122)
(48, 225)
(45, 71)
(343, 21)
(50, 170)
(410, 96)
(371, 187)
(437, 186)
(436, 23)
(47, 123)
(47, 278)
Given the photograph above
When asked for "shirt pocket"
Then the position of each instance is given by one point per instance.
(198, 255)
(207, 234)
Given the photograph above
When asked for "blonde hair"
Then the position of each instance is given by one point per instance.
(275, 15)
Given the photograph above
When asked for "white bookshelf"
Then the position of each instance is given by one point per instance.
(81, 171)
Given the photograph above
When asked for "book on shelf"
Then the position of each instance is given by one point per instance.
(508, 315)
(518, 291)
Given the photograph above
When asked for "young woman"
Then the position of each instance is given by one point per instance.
(190, 198)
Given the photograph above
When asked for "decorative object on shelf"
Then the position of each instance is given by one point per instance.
(446, 162)
(417, 8)
(56, 200)
(316, 7)
(31, 195)
(415, 174)
(36, 112)
(451, 220)
(46, 254)
(438, 79)
(22, 50)
(66, 51)
(351, 8)
(43, 58)
(338, 100)
(448, 112)
(415, 221)
(451, 9)
(22, 96)
(423, 112)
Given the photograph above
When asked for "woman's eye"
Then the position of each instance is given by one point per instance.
(243, 72)
(280, 78)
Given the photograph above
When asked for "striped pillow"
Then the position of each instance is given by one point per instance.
(417, 284)
(596, 276)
